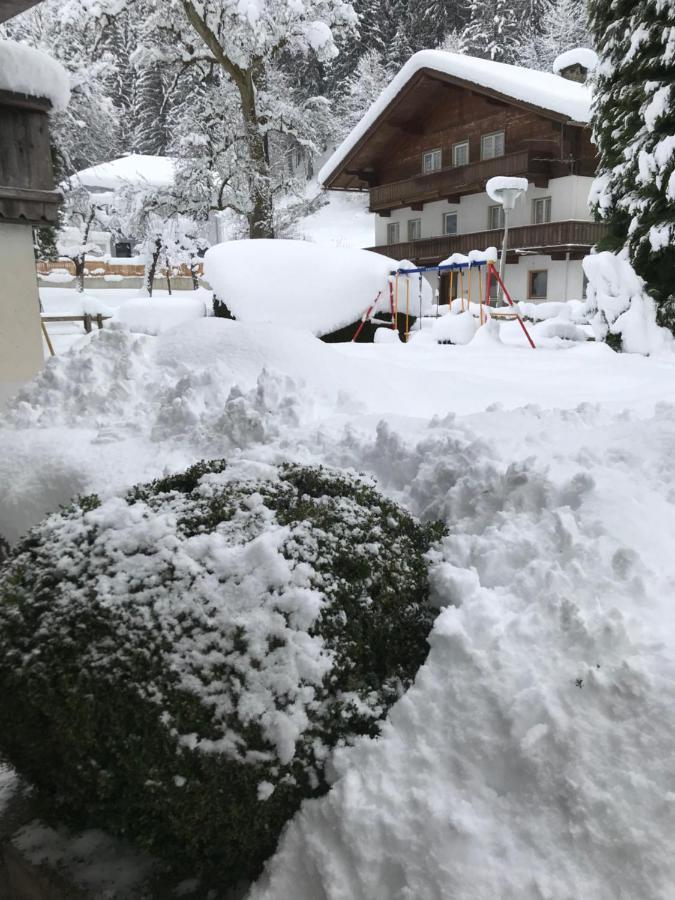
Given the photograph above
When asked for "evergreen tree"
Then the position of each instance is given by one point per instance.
(493, 30)
(563, 26)
(634, 125)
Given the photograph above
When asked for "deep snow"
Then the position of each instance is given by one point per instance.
(533, 757)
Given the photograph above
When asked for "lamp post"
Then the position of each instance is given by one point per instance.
(506, 191)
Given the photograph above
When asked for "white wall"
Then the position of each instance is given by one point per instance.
(569, 196)
(21, 355)
(565, 279)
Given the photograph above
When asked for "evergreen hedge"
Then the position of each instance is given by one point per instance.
(135, 643)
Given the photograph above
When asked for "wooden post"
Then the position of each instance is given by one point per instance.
(87, 322)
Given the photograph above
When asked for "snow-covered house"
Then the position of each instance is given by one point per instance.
(444, 126)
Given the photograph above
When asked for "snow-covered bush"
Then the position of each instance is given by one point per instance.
(176, 665)
(619, 309)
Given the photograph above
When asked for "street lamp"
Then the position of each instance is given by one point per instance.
(506, 191)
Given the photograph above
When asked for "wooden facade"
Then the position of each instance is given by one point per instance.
(27, 194)
(435, 112)
(560, 240)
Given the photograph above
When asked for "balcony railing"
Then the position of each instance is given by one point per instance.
(550, 237)
(458, 180)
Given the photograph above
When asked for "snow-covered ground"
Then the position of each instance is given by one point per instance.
(533, 757)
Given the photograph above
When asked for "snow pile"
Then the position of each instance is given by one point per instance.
(578, 56)
(618, 304)
(297, 283)
(455, 329)
(541, 725)
(57, 276)
(540, 89)
(25, 70)
(153, 315)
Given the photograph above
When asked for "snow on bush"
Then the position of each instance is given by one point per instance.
(618, 304)
(304, 285)
(178, 664)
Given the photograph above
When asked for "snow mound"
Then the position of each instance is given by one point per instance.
(618, 304)
(457, 329)
(138, 169)
(582, 56)
(25, 70)
(148, 315)
(524, 736)
(297, 283)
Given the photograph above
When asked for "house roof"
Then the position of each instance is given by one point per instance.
(547, 93)
(135, 169)
(11, 8)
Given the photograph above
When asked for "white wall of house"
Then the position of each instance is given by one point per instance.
(564, 280)
(569, 200)
(21, 354)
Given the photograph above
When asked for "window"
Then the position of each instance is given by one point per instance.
(431, 161)
(123, 249)
(541, 210)
(495, 217)
(538, 284)
(492, 145)
(414, 229)
(460, 154)
(450, 223)
(393, 233)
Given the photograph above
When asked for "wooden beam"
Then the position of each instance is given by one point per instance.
(453, 198)
(540, 181)
(417, 206)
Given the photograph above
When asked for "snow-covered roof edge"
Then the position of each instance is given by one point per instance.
(134, 169)
(540, 89)
(25, 70)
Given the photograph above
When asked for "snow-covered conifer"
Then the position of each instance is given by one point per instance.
(634, 128)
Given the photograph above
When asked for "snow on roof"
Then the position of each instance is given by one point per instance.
(297, 283)
(150, 171)
(25, 70)
(581, 56)
(541, 89)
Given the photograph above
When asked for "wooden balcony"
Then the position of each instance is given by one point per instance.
(555, 239)
(454, 182)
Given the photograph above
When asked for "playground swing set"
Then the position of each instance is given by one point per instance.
(459, 270)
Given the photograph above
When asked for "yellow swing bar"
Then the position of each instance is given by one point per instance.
(407, 308)
(480, 296)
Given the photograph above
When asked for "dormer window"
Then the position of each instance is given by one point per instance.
(431, 161)
(492, 145)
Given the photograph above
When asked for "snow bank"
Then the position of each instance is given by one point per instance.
(618, 304)
(148, 315)
(540, 89)
(582, 56)
(25, 70)
(297, 283)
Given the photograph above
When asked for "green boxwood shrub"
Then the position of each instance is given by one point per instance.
(176, 665)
